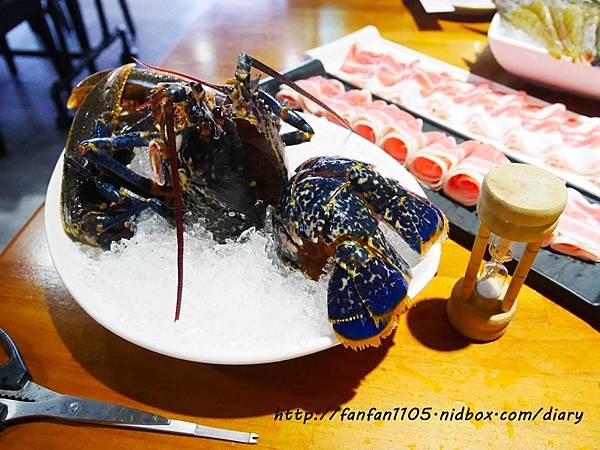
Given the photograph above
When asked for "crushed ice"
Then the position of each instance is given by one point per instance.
(237, 296)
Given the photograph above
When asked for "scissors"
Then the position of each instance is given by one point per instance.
(21, 398)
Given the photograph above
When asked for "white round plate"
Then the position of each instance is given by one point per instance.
(154, 330)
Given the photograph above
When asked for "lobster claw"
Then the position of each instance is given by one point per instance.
(333, 207)
(361, 311)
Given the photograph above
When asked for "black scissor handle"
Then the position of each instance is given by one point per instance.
(13, 374)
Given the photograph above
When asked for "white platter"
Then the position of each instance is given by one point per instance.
(332, 56)
(473, 6)
(458, 6)
(154, 330)
(533, 62)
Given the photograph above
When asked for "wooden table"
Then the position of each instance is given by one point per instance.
(549, 358)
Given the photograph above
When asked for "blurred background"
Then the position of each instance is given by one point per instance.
(32, 132)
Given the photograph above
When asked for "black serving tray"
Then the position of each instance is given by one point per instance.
(572, 283)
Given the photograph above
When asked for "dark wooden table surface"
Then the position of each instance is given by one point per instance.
(549, 358)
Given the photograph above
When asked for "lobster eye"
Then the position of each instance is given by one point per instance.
(217, 112)
(196, 114)
(244, 61)
(244, 64)
(175, 92)
(196, 87)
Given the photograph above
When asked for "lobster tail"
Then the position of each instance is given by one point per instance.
(366, 293)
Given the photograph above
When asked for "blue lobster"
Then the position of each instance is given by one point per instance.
(218, 155)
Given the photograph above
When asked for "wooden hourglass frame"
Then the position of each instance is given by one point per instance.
(518, 203)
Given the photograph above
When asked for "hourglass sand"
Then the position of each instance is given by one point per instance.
(518, 203)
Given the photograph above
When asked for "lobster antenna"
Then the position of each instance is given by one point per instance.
(285, 80)
(179, 74)
(172, 151)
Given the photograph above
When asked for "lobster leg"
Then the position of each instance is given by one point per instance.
(133, 205)
(124, 209)
(99, 152)
(304, 132)
(110, 220)
(247, 87)
(242, 75)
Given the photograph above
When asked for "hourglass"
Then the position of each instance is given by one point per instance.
(518, 203)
